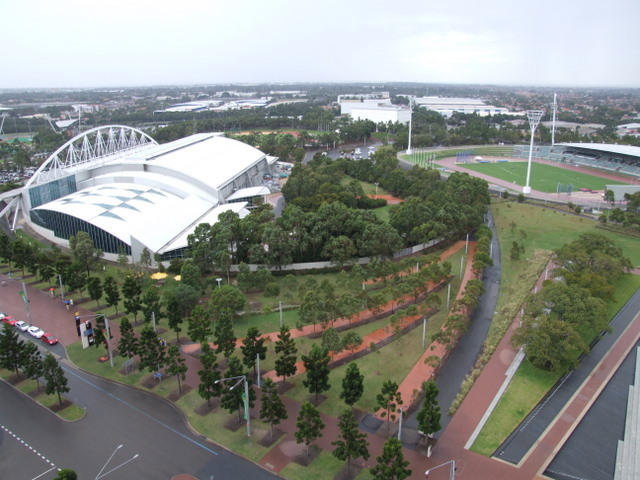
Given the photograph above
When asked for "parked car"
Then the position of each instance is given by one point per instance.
(8, 319)
(35, 332)
(50, 339)
(21, 325)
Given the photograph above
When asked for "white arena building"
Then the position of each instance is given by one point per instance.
(130, 193)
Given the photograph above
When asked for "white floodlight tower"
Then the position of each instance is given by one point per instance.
(534, 117)
(554, 107)
(409, 151)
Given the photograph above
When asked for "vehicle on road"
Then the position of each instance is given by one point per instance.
(50, 339)
(35, 332)
(8, 319)
(21, 325)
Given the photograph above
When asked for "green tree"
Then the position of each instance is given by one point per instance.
(151, 305)
(339, 250)
(272, 410)
(32, 362)
(75, 277)
(225, 263)
(209, 385)
(352, 385)
(128, 345)
(312, 309)
(145, 259)
(152, 352)
(351, 341)
(429, 415)
(84, 251)
(94, 287)
(351, 443)
(233, 398)
(225, 337)
(389, 399)
(285, 346)
(253, 347)
(549, 342)
(66, 474)
(331, 341)
(190, 274)
(227, 301)
(174, 312)
(199, 324)
(132, 291)
(55, 380)
(176, 365)
(111, 292)
(99, 332)
(391, 465)
(309, 425)
(317, 368)
(11, 349)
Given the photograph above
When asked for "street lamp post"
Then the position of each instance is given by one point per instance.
(241, 378)
(452, 472)
(100, 474)
(409, 151)
(106, 325)
(26, 302)
(534, 117)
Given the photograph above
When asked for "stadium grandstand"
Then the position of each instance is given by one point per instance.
(623, 159)
(130, 193)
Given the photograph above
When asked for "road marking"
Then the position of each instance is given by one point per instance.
(124, 402)
(25, 444)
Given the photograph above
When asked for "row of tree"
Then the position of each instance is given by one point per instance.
(19, 356)
(562, 319)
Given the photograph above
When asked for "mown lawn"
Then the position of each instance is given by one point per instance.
(549, 229)
(544, 178)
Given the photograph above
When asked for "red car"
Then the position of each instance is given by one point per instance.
(8, 319)
(50, 339)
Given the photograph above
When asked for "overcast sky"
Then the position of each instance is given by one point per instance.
(87, 43)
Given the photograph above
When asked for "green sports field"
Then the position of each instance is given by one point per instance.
(544, 178)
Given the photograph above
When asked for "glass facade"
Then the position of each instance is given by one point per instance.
(64, 226)
(52, 191)
(177, 253)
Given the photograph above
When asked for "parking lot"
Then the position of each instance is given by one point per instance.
(17, 455)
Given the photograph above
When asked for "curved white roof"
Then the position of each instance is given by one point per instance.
(606, 147)
(113, 208)
(209, 156)
(142, 213)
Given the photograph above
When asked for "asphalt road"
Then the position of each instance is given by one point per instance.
(34, 440)
(464, 355)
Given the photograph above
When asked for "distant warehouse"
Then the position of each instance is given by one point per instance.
(130, 193)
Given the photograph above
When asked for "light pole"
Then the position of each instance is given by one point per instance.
(108, 331)
(409, 151)
(106, 325)
(23, 293)
(100, 474)
(534, 117)
(452, 472)
(247, 414)
(400, 426)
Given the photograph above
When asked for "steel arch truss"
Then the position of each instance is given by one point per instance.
(89, 149)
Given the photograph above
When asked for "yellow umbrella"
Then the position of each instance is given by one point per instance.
(159, 276)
